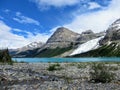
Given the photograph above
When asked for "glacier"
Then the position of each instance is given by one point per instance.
(89, 45)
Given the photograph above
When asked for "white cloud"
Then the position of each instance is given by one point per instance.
(10, 40)
(7, 39)
(39, 37)
(23, 19)
(43, 4)
(17, 30)
(97, 20)
(94, 5)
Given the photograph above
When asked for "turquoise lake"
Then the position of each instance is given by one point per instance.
(60, 60)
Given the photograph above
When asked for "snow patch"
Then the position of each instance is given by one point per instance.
(90, 45)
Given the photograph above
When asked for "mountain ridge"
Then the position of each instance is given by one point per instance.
(64, 41)
(110, 44)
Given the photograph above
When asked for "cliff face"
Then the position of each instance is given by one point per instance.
(109, 45)
(86, 36)
(27, 50)
(112, 33)
(61, 43)
(62, 37)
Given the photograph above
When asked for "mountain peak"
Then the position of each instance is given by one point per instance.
(114, 26)
(88, 32)
(112, 33)
(34, 45)
(31, 46)
(62, 36)
(117, 21)
(63, 30)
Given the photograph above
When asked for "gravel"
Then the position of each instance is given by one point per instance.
(35, 76)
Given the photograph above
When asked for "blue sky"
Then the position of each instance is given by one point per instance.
(26, 21)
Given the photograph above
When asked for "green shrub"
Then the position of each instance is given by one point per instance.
(51, 68)
(54, 67)
(101, 73)
(48, 52)
(81, 65)
(5, 57)
(72, 64)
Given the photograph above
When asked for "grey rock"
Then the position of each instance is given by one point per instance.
(88, 32)
(88, 35)
(30, 46)
(24, 51)
(85, 38)
(62, 37)
(112, 33)
(69, 78)
(100, 34)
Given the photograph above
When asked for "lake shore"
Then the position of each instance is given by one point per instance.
(67, 76)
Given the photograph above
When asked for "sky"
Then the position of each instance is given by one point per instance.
(26, 21)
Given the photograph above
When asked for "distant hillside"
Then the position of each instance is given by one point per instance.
(53, 52)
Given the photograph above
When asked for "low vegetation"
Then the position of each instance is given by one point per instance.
(53, 67)
(53, 52)
(5, 57)
(82, 65)
(101, 73)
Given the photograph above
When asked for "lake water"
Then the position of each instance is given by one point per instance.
(60, 60)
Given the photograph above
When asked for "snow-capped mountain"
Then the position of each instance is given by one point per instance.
(31, 46)
(63, 41)
(23, 51)
(115, 25)
(90, 45)
(34, 45)
(109, 45)
(69, 43)
(63, 37)
(112, 33)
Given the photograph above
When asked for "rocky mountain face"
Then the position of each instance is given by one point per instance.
(61, 43)
(30, 46)
(26, 50)
(110, 44)
(112, 33)
(86, 36)
(62, 37)
(64, 41)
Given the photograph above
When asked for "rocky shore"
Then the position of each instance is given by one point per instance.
(36, 76)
